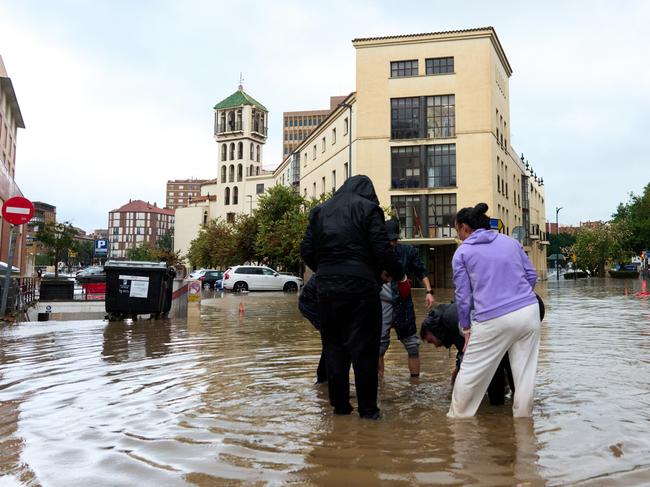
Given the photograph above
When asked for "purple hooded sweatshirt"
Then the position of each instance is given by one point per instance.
(493, 277)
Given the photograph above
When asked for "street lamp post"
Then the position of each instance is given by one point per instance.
(557, 234)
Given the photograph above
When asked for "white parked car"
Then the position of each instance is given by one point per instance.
(259, 278)
(197, 274)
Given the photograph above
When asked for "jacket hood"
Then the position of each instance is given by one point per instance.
(361, 185)
(481, 236)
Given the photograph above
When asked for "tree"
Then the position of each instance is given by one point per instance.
(59, 238)
(245, 236)
(282, 219)
(214, 246)
(559, 241)
(147, 252)
(595, 246)
(635, 215)
(85, 251)
(142, 253)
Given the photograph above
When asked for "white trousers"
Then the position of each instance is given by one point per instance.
(516, 333)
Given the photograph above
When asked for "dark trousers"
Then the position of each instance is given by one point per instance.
(351, 329)
(502, 376)
(321, 371)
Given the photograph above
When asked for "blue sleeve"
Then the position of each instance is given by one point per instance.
(463, 290)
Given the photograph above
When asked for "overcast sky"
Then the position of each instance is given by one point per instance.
(117, 95)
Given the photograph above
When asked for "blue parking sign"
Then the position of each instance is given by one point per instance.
(101, 247)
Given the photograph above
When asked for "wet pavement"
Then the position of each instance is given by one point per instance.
(223, 399)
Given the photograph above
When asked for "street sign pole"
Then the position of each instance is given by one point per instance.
(10, 264)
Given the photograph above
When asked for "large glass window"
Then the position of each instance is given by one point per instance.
(399, 69)
(405, 118)
(423, 166)
(441, 116)
(405, 167)
(441, 209)
(440, 65)
(441, 165)
(408, 209)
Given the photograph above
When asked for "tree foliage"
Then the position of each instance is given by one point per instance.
(595, 246)
(635, 216)
(147, 252)
(558, 242)
(272, 234)
(59, 239)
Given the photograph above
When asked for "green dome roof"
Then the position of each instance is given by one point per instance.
(237, 99)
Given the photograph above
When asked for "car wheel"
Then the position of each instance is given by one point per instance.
(240, 286)
(290, 287)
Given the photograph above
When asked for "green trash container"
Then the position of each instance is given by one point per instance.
(138, 288)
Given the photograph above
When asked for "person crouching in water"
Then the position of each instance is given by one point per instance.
(308, 306)
(497, 311)
(399, 313)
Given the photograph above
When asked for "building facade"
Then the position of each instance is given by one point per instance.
(298, 125)
(429, 123)
(44, 214)
(180, 192)
(11, 120)
(135, 223)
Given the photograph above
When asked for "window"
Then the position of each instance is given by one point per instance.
(408, 209)
(205, 217)
(240, 150)
(224, 152)
(226, 196)
(440, 65)
(240, 172)
(345, 171)
(441, 165)
(333, 180)
(258, 154)
(405, 118)
(252, 152)
(314, 152)
(232, 151)
(346, 126)
(322, 186)
(231, 173)
(400, 69)
(230, 218)
(498, 184)
(441, 209)
(235, 195)
(313, 191)
(441, 116)
(323, 143)
(431, 166)
(251, 170)
(405, 167)
(333, 136)
(259, 188)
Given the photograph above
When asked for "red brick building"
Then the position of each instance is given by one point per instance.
(180, 192)
(135, 223)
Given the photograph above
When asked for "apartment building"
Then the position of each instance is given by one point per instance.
(11, 120)
(44, 213)
(135, 223)
(298, 125)
(180, 192)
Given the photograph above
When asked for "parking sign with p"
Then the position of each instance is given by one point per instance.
(101, 247)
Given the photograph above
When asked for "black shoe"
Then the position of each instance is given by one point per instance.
(376, 415)
(343, 411)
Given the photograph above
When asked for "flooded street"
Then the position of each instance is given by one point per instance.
(224, 399)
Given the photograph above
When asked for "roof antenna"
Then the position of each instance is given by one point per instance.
(241, 82)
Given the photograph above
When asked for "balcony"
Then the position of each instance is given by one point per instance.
(257, 129)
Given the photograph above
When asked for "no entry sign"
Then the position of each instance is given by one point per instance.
(17, 210)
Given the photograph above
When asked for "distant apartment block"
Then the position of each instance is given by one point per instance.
(44, 213)
(181, 191)
(298, 125)
(135, 223)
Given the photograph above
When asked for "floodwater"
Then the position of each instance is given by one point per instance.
(223, 399)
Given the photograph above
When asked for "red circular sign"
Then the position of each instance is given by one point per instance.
(17, 210)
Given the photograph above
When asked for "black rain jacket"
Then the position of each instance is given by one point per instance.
(346, 243)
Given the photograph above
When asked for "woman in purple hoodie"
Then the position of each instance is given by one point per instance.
(497, 306)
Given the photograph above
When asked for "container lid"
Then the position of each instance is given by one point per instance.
(132, 264)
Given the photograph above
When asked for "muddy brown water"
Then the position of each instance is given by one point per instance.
(221, 399)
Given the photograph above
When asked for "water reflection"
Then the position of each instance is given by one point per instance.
(227, 398)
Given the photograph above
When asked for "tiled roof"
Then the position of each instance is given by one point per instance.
(237, 99)
(475, 29)
(144, 207)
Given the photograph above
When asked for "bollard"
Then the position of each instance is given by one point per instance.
(241, 308)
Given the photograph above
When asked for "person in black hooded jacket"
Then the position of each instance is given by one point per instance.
(347, 246)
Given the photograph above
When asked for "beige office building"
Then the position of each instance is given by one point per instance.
(298, 125)
(429, 123)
